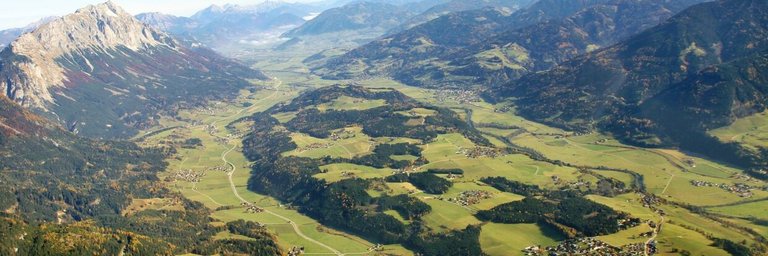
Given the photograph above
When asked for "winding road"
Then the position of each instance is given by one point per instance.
(237, 194)
(291, 222)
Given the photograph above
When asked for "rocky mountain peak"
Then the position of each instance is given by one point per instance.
(95, 28)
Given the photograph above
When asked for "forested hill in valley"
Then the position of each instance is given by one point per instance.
(65, 195)
(621, 88)
(65, 68)
(310, 182)
(491, 46)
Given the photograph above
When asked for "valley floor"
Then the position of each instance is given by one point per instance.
(215, 172)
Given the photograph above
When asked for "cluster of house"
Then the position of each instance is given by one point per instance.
(740, 189)
(208, 111)
(601, 141)
(579, 183)
(451, 176)
(470, 197)
(211, 129)
(235, 135)
(690, 162)
(315, 146)
(220, 168)
(629, 222)
(461, 96)
(296, 251)
(651, 248)
(585, 246)
(251, 208)
(555, 179)
(649, 201)
(188, 175)
(480, 152)
(376, 248)
(342, 135)
(503, 109)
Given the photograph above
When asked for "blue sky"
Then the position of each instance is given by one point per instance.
(18, 13)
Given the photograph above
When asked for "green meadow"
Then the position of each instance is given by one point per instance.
(666, 172)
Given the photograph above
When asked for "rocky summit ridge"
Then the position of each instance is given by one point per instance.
(75, 69)
(29, 68)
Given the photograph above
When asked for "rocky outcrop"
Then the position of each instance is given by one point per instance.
(7, 36)
(105, 74)
(30, 68)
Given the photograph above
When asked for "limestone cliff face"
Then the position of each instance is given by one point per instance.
(29, 68)
(104, 74)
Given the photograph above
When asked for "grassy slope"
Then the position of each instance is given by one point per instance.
(751, 131)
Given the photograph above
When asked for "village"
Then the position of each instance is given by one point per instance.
(470, 197)
(187, 175)
(480, 152)
(461, 96)
(342, 135)
(740, 189)
(251, 208)
(585, 246)
(314, 146)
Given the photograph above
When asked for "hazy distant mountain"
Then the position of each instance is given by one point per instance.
(339, 3)
(66, 69)
(514, 53)
(355, 16)
(458, 6)
(7, 36)
(221, 25)
(669, 84)
(396, 55)
(167, 22)
(490, 50)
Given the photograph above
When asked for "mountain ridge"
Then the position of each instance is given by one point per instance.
(353, 16)
(665, 86)
(65, 68)
(529, 40)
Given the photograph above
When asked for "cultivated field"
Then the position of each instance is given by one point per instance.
(667, 173)
(751, 131)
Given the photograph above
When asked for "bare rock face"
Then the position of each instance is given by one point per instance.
(29, 67)
(104, 74)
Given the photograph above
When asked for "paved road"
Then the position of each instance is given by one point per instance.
(237, 194)
(293, 224)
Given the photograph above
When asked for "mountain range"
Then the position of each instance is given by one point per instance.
(491, 46)
(379, 16)
(217, 26)
(7, 36)
(67, 67)
(352, 16)
(697, 71)
(457, 6)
